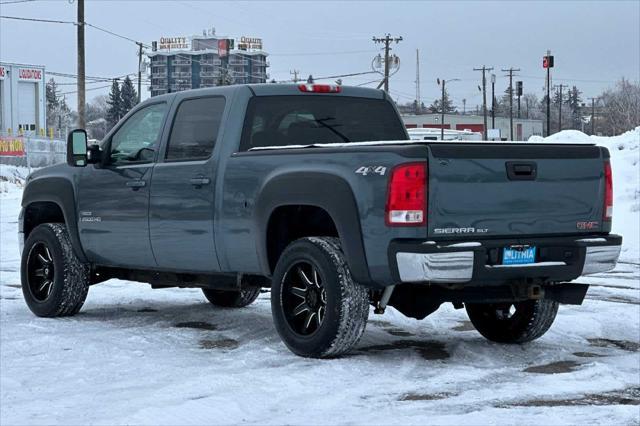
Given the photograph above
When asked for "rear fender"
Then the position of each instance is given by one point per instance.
(329, 192)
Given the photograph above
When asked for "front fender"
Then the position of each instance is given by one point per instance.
(324, 190)
(58, 190)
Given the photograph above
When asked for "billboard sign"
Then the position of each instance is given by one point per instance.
(11, 146)
(250, 43)
(173, 43)
(29, 74)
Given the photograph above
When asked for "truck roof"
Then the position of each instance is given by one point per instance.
(274, 89)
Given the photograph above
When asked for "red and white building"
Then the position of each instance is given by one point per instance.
(522, 128)
(23, 104)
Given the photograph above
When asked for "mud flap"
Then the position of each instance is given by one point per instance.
(566, 293)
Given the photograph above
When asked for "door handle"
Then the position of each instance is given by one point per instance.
(522, 170)
(199, 181)
(136, 184)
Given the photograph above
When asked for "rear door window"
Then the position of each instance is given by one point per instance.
(304, 120)
(195, 129)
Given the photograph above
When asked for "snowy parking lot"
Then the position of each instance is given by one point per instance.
(140, 356)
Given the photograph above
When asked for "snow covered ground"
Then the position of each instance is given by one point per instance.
(140, 356)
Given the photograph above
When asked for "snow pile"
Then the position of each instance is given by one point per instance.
(12, 178)
(625, 163)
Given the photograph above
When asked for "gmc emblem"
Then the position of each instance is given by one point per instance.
(587, 225)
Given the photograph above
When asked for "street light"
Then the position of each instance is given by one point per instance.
(442, 83)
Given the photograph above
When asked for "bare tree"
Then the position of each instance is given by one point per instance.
(620, 109)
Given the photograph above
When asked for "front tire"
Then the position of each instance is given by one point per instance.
(318, 310)
(55, 282)
(518, 322)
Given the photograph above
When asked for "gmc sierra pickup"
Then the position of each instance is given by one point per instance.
(315, 192)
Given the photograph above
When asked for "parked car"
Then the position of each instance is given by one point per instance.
(316, 192)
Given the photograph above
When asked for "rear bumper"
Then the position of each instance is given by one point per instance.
(479, 262)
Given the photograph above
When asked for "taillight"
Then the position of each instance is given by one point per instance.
(407, 195)
(320, 88)
(608, 191)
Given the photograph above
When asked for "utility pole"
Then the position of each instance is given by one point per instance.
(519, 94)
(139, 71)
(511, 71)
(417, 81)
(81, 75)
(464, 107)
(593, 115)
(387, 41)
(442, 110)
(295, 73)
(493, 101)
(560, 86)
(484, 96)
(547, 63)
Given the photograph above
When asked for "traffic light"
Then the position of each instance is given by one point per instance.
(547, 61)
(518, 88)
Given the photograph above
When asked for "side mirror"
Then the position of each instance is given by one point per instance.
(77, 148)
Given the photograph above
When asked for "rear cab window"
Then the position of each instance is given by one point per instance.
(195, 129)
(316, 119)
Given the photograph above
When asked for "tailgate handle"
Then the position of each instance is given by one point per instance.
(521, 170)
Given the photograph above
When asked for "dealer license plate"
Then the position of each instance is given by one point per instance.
(518, 255)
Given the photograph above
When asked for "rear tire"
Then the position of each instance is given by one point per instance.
(518, 322)
(55, 282)
(231, 298)
(318, 310)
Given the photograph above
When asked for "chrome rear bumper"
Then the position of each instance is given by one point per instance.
(600, 259)
(468, 262)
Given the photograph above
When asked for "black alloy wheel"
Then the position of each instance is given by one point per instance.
(304, 298)
(40, 272)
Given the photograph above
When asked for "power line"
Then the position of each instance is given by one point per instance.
(116, 34)
(322, 53)
(49, 21)
(15, 1)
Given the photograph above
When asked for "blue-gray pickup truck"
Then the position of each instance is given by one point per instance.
(316, 193)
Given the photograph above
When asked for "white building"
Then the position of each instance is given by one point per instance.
(23, 103)
(522, 128)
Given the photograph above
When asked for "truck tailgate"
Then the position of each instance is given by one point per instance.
(509, 189)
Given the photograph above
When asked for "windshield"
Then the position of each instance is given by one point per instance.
(305, 120)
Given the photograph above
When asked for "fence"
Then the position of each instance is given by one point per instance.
(31, 151)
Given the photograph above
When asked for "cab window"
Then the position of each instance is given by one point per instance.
(136, 141)
(195, 129)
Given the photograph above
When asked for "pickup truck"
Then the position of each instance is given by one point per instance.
(316, 193)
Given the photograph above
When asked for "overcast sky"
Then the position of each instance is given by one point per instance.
(594, 43)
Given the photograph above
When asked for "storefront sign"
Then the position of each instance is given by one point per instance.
(249, 43)
(171, 43)
(11, 146)
(3, 71)
(29, 74)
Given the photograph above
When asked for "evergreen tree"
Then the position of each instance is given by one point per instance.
(448, 104)
(128, 96)
(51, 94)
(574, 102)
(114, 111)
(59, 116)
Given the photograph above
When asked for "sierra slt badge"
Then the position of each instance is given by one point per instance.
(468, 230)
(587, 225)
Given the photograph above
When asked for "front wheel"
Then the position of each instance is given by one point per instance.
(318, 310)
(517, 322)
(54, 281)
